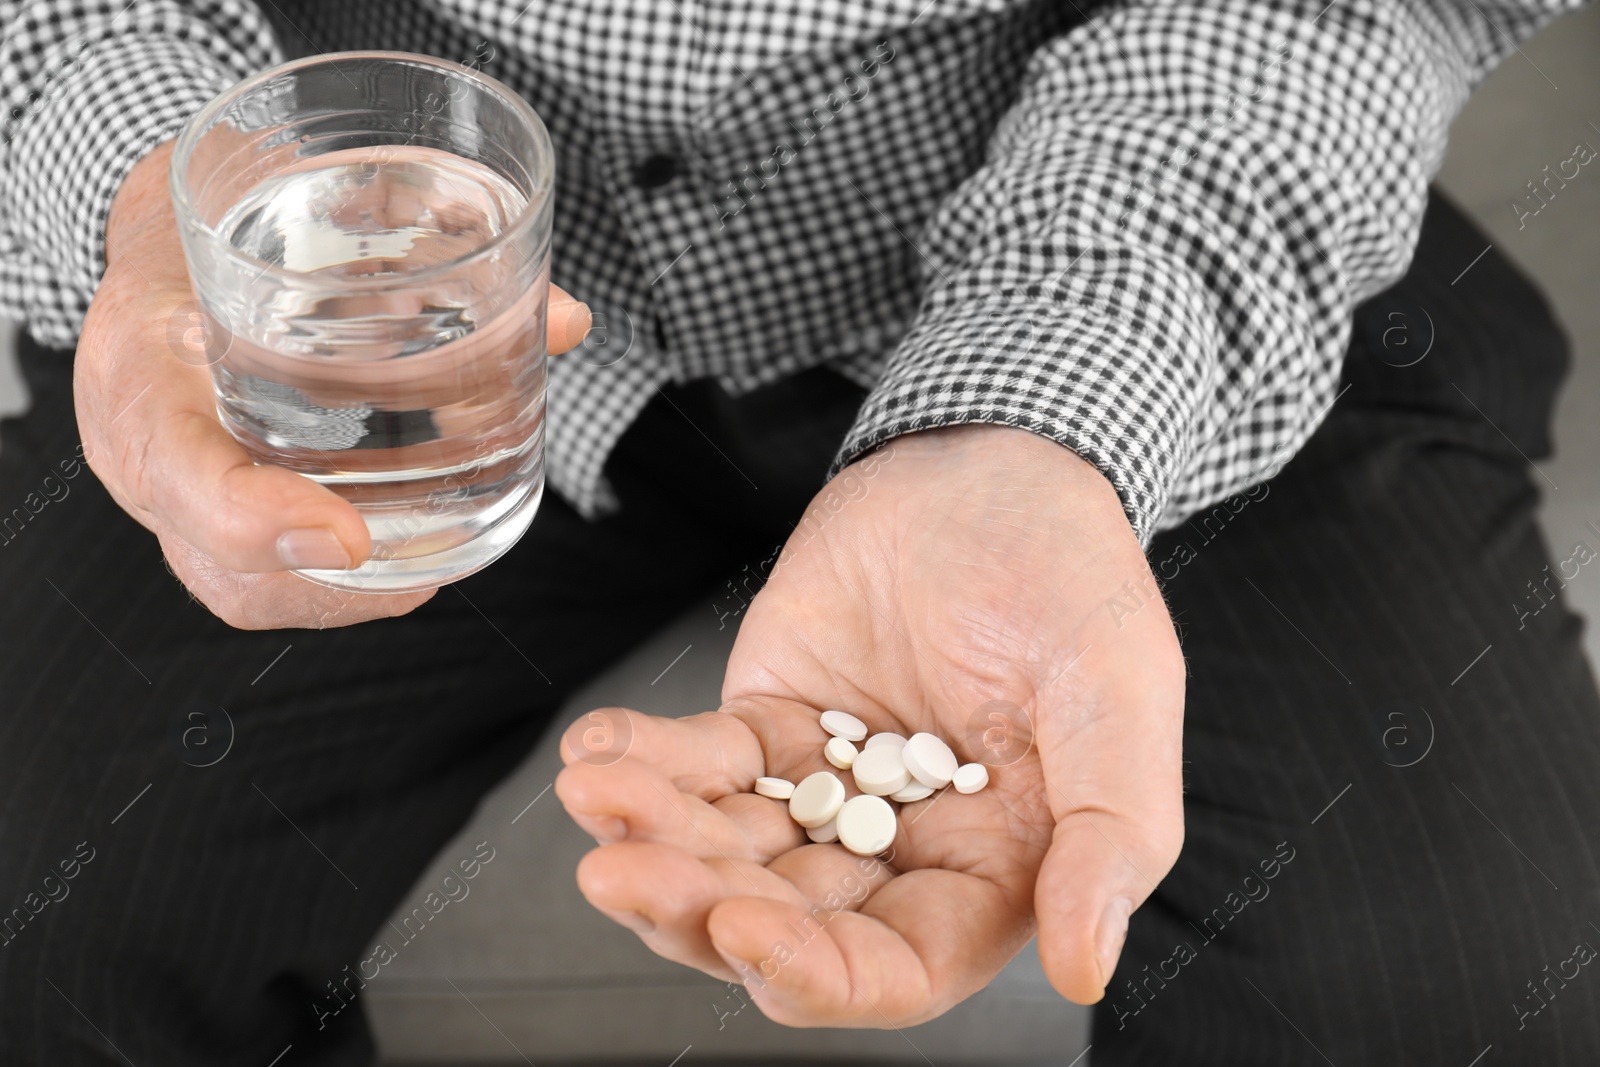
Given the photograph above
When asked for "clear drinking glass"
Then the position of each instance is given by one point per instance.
(368, 235)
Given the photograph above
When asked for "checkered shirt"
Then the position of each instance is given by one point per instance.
(1137, 227)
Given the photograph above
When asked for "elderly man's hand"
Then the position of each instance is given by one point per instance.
(231, 530)
(967, 591)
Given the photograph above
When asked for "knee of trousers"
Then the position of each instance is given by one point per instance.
(1390, 936)
(108, 956)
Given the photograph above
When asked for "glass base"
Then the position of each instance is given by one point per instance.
(440, 568)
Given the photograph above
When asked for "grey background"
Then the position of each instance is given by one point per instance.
(522, 971)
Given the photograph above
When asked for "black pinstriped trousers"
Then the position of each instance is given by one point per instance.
(1392, 737)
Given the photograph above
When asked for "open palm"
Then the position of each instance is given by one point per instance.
(964, 591)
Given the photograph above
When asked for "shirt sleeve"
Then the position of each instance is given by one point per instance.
(87, 89)
(1156, 264)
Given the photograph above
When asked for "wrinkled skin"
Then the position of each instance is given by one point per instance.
(150, 433)
(978, 567)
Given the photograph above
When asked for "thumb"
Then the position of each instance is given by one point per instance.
(1116, 792)
(569, 320)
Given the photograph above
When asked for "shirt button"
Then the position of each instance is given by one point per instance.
(657, 170)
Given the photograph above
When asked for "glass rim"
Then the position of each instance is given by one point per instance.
(183, 148)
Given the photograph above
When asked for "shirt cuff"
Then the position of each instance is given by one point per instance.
(66, 162)
(1089, 381)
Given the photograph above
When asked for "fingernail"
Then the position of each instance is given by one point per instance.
(565, 312)
(317, 548)
(1108, 939)
(633, 920)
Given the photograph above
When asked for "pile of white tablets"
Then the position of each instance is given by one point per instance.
(888, 767)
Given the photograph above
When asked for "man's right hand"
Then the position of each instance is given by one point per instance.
(230, 529)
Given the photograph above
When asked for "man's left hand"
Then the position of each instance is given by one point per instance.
(969, 589)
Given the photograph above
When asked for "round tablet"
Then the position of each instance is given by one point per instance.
(912, 793)
(897, 740)
(776, 788)
(866, 825)
(840, 753)
(826, 833)
(970, 777)
(929, 760)
(816, 799)
(880, 771)
(843, 724)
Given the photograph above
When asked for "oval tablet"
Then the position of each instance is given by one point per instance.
(970, 777)
(840, 753)
(825, 834)
(897, 740)
(843, 724)
(929, 760)
(816, 799)
(776, 788)
(879, 771)
(866, 825)
(912, 793)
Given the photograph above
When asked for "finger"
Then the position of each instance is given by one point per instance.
(569, 320)
(1113, 768)
(631, 800)
(280, 600)
(708, 755)
(155, 440)
(791, 735)
(831, 876)
(664, 895)
(920, 944)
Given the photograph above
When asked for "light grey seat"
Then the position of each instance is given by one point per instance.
(523, 969)
(13, 390)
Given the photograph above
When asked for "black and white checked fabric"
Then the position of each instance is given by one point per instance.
(1136, 227)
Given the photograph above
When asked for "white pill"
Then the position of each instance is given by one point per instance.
(816, 799)
(897, 740)
(866, 825)
(970, 777)
(929, 760)
(826, 833)
(776, 788)
(912, 793)
(840, 753)
(880, 771)
(843, 724)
